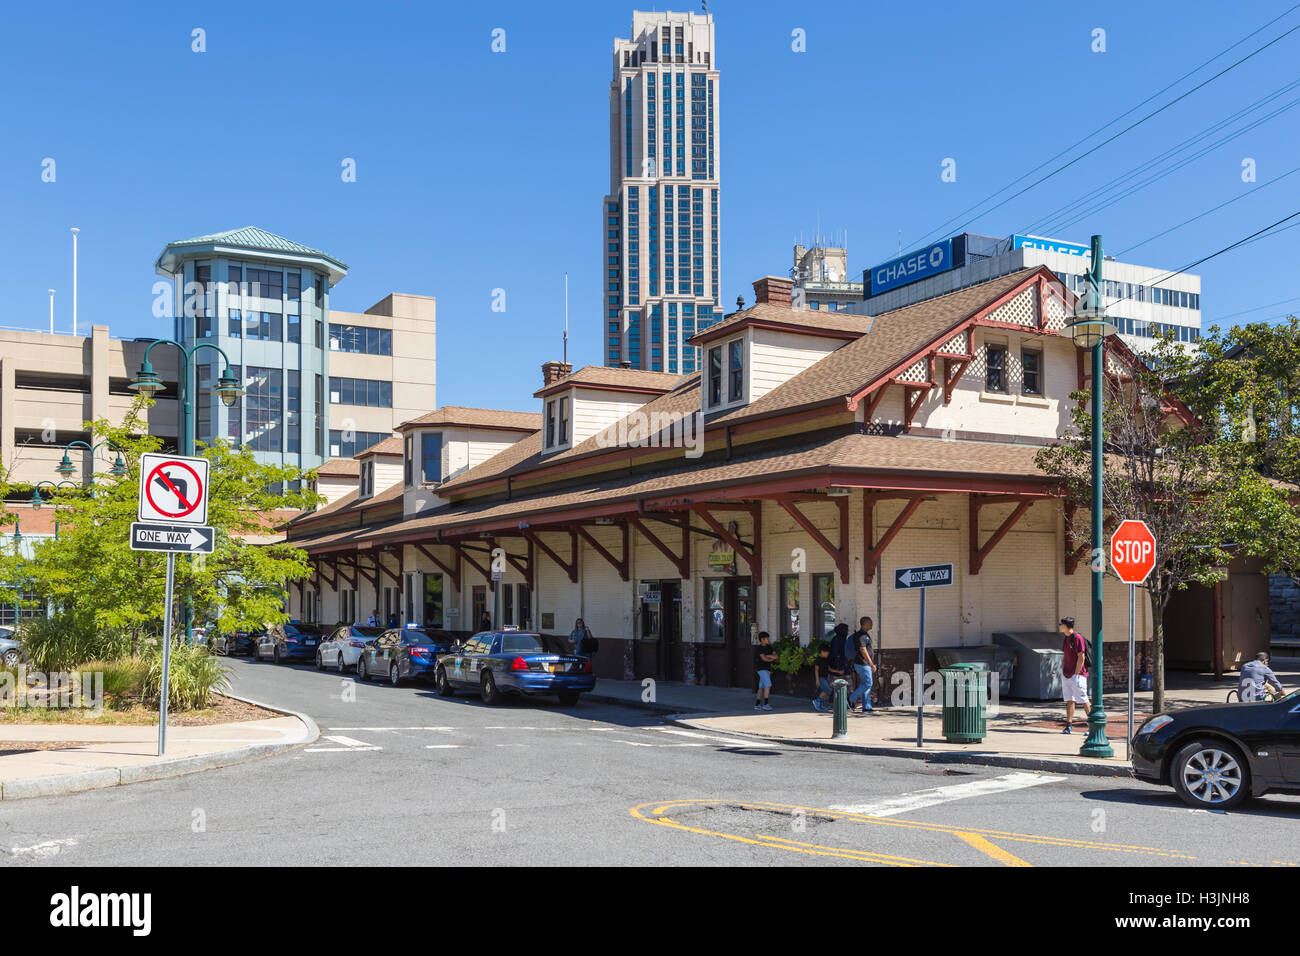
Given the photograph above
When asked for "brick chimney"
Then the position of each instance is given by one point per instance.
(553, 371)
(774, 290)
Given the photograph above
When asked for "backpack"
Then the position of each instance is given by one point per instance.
(1087, 652)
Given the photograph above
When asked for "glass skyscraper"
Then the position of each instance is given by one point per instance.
(660, 218)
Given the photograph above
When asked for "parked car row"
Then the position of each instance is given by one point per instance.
(491, 663)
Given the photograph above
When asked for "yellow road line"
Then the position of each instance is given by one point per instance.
(987, 848)
(865, 854)
(1069, 842)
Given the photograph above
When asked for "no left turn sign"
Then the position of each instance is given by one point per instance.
(173, 489)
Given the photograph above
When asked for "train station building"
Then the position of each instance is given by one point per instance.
(775, 489)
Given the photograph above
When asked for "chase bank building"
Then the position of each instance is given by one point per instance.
(1142, 301)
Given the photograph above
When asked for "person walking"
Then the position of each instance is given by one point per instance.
(1074, 671)
(764, 657)
(584, 645)
(860, 655)
(485, 622)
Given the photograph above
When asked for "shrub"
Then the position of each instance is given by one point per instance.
(124, 678)
(67, 641)
(195, 674)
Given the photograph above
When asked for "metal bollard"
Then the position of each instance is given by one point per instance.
(840, 725)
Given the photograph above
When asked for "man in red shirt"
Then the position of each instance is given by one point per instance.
(1074, 672)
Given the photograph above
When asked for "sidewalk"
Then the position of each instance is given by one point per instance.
(109, 756)
(1023, 734)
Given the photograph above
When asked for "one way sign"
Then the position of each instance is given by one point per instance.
(170, 537)
(931, 576)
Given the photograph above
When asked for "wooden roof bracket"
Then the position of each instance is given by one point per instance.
(839, 553)
(872, 552)
(978, 553)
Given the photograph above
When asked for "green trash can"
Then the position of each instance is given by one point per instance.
(965, 702)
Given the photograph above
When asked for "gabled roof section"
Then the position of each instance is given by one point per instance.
(244, 241)
(339, 468)
(459, 415)
(614, 379)
(392, 445)
(843, 325)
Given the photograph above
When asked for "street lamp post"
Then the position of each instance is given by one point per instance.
(147, 382)
(1089, 331)
(37, 501)
(66, 468)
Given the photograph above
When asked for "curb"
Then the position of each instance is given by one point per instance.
(1014, 761)
(103, 778)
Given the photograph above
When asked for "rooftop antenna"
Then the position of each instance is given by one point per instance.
(565, 355)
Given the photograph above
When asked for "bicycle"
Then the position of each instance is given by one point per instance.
(1234, 697)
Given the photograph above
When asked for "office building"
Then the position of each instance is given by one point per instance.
(660, 219)
(1141, 300)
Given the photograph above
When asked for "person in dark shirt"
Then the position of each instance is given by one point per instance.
(764, 657)
(822, 674)
(863, 666)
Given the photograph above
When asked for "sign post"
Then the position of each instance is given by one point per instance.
(173, 509)
(1133, 556)
(924, 578)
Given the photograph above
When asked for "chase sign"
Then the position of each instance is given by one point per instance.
(1051, 245)
(912, 267)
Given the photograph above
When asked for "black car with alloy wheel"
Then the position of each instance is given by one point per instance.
(235, 642)
(1216, 757)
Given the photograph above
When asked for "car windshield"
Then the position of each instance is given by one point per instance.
(367, 631)
(307, 630)
(416, 636)
(531, 644)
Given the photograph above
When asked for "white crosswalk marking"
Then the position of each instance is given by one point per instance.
(729, 741)
(918, 799)
(347, 744)
(639, 743)
(441, 746)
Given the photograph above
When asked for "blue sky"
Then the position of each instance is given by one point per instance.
(479, 170)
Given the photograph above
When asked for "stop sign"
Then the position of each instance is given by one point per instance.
(1133, 551)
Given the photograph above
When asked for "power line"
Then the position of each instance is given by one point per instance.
(1259, 234)
(1202, 215)
(1075, 211)
(946, 226)
(1260, 308)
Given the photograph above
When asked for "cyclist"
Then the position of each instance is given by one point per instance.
(1255, 676)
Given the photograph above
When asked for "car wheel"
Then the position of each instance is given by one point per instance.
(444, 686)
(394, 677)
(361, 669)
(490, 693)
(339, 666)
(568, 698)
(320, 662)
(275, 654)
(11, 657)
(1210, 774)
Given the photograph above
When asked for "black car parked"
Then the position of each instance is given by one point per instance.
(1216, 757)
(289, 642)
(236, 642)
(404, 652)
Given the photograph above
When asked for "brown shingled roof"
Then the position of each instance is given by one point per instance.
(340, 468)
(392, 445)
(875, 460)
(602, 376)
(477, 418)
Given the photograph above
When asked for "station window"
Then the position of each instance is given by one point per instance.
(1031, 362)
(995, 370)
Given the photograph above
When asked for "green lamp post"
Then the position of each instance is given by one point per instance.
(66, 468)
(37, 501)
(1090, 330)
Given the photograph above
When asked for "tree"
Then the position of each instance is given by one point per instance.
(1175, 458)
(89, 570)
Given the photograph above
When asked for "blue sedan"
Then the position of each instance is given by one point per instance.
(496, 663)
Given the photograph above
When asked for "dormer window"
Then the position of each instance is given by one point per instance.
(736, 368)
(366, 488)
(564, 420)
(431, 457)
(408, 461)
(715, 375)
(550, 423)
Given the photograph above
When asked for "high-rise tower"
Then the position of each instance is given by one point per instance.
(660, 218)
